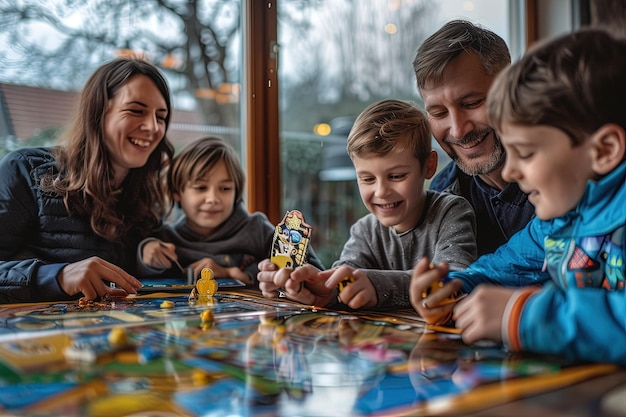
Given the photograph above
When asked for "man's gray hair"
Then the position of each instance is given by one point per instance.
(454, 38)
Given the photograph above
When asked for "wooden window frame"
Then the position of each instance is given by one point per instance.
(261, 113)
(530, 9)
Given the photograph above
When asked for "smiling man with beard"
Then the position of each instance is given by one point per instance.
(454, 69)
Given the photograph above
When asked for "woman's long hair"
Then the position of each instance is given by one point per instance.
(86, 177)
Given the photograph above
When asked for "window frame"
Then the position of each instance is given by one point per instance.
(260, 112)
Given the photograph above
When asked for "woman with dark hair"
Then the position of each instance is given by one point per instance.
(71, 216)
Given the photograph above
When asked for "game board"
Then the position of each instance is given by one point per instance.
(253, 357)
(38, 319)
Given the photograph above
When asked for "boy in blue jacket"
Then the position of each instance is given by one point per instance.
(560, 114)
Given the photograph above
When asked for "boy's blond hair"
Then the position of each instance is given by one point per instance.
(575, 83)
(388, 125)
(198, 158)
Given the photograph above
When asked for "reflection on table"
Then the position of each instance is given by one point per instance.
(238, 354)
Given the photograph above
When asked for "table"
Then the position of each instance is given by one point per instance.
(238, 354)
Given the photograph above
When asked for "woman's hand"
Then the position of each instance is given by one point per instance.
(92, 276)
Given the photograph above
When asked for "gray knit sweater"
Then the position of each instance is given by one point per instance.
(446, 232)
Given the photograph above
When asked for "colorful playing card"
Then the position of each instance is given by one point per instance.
(291, 240)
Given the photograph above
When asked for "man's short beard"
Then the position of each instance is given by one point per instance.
(495, 161)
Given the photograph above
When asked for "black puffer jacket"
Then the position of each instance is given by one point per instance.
(37, 235)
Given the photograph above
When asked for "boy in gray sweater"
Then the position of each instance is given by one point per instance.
(390, 147)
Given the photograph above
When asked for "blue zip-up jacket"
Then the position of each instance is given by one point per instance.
(581, 311)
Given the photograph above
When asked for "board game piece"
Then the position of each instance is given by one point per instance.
(291, 240)
(118, 337)
(347, 280)
(206, 285)
(207, 315)
(200, 378)
(436, 285)
(207, 325)
(148, 352)
(106, 300)
(205, 288)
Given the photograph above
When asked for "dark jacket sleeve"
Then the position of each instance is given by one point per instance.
(22, 276)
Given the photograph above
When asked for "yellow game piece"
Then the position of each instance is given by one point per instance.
(347, 280)
(118, 337)
(200, 378)
(206, 273)
(435, 286)
(126, 356)
(206, 326)
(167, 304)
(207, 315)
(206, 285)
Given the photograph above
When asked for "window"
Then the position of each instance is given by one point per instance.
(231, 65)
(336, 57)
(49, 49)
